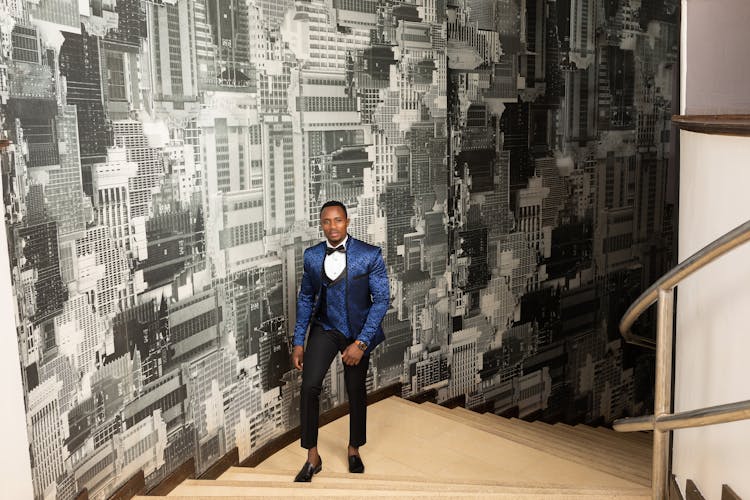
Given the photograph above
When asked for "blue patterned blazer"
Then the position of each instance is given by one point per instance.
(367, 291)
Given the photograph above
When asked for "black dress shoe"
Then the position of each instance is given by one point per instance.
(355, 464)
(306, 473)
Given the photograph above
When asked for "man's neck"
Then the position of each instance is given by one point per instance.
(334, 245)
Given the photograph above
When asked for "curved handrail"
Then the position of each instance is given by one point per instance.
(710, 415)
(705, 255)
(663, 421)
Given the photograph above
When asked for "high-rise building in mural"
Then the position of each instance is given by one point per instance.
(167, 161)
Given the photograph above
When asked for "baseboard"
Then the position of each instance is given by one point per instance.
(184, 471)
(727, 493)
(220, 466)
(136, 485)
(692, 492)
(455, 402)
(429, 396)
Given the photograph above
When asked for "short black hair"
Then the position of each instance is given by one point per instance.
(334, 203)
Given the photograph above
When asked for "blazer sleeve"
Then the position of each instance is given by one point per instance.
(381, 299)
(305, 301)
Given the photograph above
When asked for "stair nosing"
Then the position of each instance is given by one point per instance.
(317, 486)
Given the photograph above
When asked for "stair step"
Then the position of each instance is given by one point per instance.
(633, 462)
(628, 459)
(611, 438)
(584, 441)
(539, 440)
(526, 429)
(328, 477)
(220, 488)
(641, 437)
(636, 460)
(273, 493)
(368, 482)
(270, 493)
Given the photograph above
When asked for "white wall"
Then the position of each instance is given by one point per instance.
(15, 469)
(683, 54)
(715, 56)
(713, 331)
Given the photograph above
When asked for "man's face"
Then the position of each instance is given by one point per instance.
(334, 223)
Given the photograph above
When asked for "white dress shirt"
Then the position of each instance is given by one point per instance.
(335, 263)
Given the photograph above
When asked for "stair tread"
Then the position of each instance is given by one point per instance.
(253, 476)
(637, 437)
(223, 487)
(360, 482)
(644, 435)
(346, 476)
(272, 493)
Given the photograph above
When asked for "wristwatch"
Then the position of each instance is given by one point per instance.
(361, 345)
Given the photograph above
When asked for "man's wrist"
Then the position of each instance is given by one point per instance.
(362, 346)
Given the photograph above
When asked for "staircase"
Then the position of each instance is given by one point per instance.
(426, 450)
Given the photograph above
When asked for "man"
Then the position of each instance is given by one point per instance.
(343, 298)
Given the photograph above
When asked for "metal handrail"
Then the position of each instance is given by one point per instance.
(720, 414)
(699, 259)
(662, 422)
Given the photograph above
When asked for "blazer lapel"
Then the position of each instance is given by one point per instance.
(318, 256)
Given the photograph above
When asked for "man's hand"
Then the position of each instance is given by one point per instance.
(352, 354)
(297, 354)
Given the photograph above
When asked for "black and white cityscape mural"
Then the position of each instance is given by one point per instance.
(164, 161)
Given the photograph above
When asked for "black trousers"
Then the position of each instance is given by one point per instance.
(322, 348)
